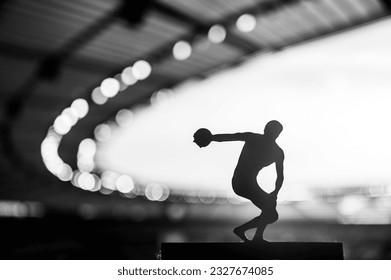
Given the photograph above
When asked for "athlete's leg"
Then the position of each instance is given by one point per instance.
(261, 199)
(241, 230)
(269, 215)
(260, 222)
(266, 218)
(258, 236)
(251, 193)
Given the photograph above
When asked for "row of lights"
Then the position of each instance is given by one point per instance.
(141, 69)
(109, 181)
(110, 87)
(217, 33)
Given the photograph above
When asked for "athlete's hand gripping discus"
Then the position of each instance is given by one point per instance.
(202, 137)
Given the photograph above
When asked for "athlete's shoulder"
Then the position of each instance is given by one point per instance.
(252, 136)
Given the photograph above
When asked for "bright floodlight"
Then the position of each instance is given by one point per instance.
(49, 148)
(109, 87)
(87, 148)
(128, 77)
(98, 97)
(98, 183)
(156, 192)
(122, 85)
(181, 50)
(124, 117)
(70, 115)
(109, 179)
(102, 132)
(61, 126)
(141, 70)
(64, 172)
(85, 164)
(124, 184)
(86, 181)
(217, 34)
(246, 23)
(75, 178)
(161, 96)
(81, 107)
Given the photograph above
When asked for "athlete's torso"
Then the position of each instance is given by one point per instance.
(257, 153)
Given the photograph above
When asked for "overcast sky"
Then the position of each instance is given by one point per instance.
(333, 97)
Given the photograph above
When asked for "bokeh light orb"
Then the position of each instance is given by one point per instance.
(156, 192)
(141, 70)
(98, 183)
(49, 148)
(81, 107)
(75, 178)
(97, 96)
(86, 164)
(124, 184)
(70, 115)
(109, 180)
(102, 132)
(86, 181)
(64, 172)
(110, 87)
(87, 147)
(217, 34)
(128, 77)
(61, 126)
(246, 23)
(181, 50)
(124, 117)
(122, 85)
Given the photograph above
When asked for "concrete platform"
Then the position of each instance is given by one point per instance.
(253, 251)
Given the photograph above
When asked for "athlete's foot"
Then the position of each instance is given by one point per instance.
(241, 234)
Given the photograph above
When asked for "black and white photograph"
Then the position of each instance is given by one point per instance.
(195, 130)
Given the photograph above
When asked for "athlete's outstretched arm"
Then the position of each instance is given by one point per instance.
(232, 137)
(203, 137)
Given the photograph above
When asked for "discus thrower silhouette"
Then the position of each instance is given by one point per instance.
(259, 151)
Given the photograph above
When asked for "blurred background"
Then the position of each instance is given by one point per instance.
(100, 100)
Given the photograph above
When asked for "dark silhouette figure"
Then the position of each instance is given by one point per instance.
(259, 151)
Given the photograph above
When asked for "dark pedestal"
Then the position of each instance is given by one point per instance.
(252, 251)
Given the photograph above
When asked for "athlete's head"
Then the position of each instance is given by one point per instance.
(273, 129)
